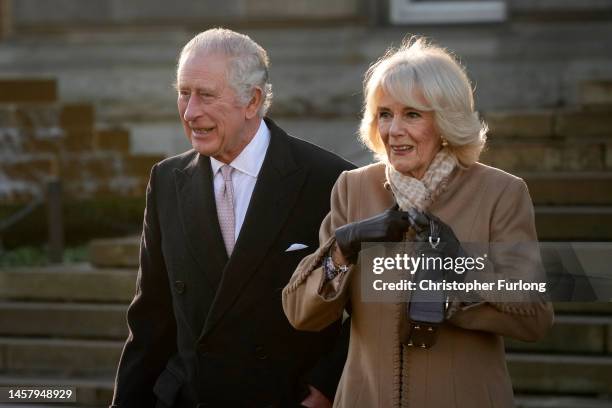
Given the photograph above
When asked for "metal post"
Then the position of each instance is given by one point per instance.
(55, 222)
(6, 19)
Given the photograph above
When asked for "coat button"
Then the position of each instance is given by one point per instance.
(260, 353)
(179, 286)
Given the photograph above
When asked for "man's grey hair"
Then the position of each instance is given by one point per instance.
(248, 62)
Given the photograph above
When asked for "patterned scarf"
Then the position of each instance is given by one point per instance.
(412, 193)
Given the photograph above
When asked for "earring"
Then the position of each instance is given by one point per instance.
(444, 142)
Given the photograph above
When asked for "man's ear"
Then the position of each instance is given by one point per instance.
(254, 103)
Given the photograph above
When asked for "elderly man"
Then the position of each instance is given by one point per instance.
(226, 224)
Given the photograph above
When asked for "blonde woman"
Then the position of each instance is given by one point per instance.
(419, 120)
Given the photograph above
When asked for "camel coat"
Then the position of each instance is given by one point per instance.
(466, 368)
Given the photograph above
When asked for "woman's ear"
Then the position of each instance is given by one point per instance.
(254, 103)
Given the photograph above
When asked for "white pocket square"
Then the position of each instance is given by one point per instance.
(295, 247)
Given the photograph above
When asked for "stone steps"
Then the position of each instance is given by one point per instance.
(115, 252)
(588, 334)
(52, 330)
(97, 392)
(569, 188)
(572, 334)
(553, 401)
(69, 283)
(64, 357)
(530, 371)
(563, 374)
(553, 222)
(64, 320)
(574, 223)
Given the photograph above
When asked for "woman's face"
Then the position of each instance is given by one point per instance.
(409, 135)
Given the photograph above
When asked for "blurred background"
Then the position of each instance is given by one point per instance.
(87, 107)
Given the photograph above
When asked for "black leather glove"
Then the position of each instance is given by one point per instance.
(388, 226)
(430, 228)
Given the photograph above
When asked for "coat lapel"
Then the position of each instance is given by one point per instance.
(275, 194)
(198, 214)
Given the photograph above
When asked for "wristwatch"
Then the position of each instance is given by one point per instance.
(330, 268)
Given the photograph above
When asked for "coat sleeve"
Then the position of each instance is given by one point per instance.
(152, 328)
(309, 301)
(512, 221)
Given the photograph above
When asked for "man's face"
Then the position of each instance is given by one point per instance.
(213, 118)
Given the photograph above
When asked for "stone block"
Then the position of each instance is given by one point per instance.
(39, 121)
(566, 338)
(8, 117)
(140, 165)
(124, 186)
(92, 167)
(33, 145)
(61, 357)
(567, 374)
(573, 223)
(117, 252)
(77, 116)
(78, 140)
(561, 401)
(549, 156)
(28, 90)
(41, 12)
(68, 283)
(112, 139)
(6, 19)
(72, 320)
(570, 188)
(582, 124)
(194, 10)
(304, 9)
(32, 170)
(596, 93)
(520, 124)
(584, 308)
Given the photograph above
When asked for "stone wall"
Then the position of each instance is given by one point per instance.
(42, 138)
(43, 12)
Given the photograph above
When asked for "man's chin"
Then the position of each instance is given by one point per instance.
(204, 149)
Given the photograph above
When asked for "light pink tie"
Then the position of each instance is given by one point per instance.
(225, 208)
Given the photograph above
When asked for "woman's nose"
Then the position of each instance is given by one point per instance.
(395, 129)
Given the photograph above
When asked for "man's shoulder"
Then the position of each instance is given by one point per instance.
(179, 161)
(318, 156)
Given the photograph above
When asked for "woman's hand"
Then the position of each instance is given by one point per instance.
(385, 227)
(430, 228)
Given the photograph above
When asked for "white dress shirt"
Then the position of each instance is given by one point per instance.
(246, 169)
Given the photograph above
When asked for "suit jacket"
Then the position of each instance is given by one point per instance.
(209, 330)
(466, 367)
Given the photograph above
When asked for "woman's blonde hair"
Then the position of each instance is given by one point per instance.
(425, 77)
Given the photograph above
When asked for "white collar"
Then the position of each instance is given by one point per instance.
(251, 158)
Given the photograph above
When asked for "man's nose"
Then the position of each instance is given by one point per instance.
(192, 110)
